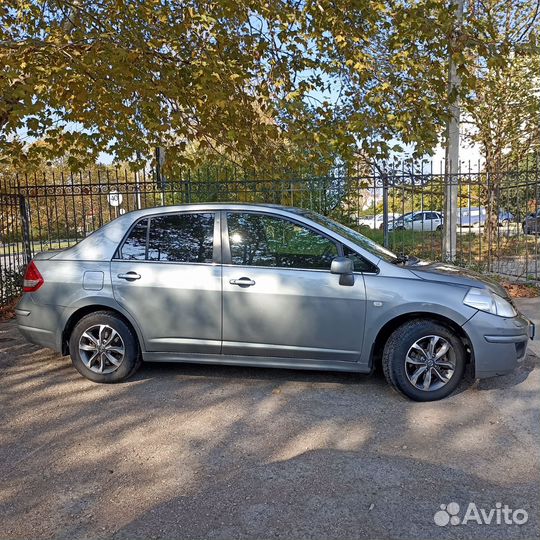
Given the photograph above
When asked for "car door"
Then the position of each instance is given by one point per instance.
(417, 223)
(279, 297)
(431, 221)
(166, 275)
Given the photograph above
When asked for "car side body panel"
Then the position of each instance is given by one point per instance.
(63, 294)
(177, 306)
(389, 298)
(293, 313)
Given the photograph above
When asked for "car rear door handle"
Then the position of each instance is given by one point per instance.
(242, 282)
(130, 276)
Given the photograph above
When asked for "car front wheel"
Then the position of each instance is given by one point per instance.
(104, 348)
(424, 360)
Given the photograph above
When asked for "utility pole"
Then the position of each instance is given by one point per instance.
(160, 177)
(385, 210)
(452, 142)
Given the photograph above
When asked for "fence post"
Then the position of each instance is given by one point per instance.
(25, 221)
(488, 224)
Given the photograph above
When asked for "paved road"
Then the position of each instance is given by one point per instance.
(184, 451)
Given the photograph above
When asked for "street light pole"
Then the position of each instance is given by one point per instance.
(452, 142)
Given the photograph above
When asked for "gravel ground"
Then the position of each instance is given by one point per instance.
(185, 451)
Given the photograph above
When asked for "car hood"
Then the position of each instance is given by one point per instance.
(448, 273)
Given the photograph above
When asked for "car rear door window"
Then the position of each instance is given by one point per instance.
(134, 247)
(263, 240)
(186, 238)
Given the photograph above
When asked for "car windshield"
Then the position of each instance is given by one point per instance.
(352, 235)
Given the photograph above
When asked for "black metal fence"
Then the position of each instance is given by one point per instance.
(495, 232)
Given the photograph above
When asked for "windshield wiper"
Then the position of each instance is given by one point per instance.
(405, 259)
(401, 259)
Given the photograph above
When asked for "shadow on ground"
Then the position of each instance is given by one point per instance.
(221, 452)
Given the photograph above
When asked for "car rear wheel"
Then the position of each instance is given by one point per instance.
(104, 348)
(424, 360)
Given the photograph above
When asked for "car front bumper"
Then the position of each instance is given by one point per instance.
(499, 344)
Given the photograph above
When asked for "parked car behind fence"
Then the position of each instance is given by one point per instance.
(376, 221)
(418, 221)
(477, 215)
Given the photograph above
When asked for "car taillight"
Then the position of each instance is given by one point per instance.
(33, 280)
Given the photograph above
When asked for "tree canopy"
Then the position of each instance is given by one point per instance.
(256, 81)
(504, 102)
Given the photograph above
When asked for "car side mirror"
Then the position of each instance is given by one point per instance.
(345, 268)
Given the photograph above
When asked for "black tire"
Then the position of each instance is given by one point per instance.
(396, 350)
(439, 228)
(131, 360)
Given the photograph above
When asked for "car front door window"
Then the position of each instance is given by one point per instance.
(271, 241)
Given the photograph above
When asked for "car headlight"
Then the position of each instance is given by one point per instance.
(487, 301)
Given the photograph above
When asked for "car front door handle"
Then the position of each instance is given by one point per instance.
(242, 282)
(130, 276)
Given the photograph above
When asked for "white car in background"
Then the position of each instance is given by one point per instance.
(376, 221)
(418, 221)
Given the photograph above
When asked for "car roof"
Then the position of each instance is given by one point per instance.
(209, 206)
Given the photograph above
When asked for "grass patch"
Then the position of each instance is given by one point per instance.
(18, 247)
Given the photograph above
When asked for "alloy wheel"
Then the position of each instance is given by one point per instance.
(102, 349)
(430, 363)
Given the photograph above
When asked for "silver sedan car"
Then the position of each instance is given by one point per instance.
(265, 286)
